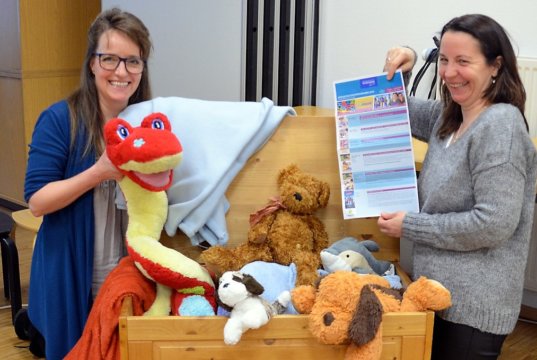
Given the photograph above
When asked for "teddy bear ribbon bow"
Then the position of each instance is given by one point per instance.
(274, 205)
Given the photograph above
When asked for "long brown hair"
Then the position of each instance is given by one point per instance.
(84, 102)
(493, 41)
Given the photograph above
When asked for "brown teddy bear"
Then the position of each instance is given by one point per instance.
(347, 307)
(284, 232)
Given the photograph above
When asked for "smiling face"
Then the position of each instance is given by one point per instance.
(115, 87)
(464, 69)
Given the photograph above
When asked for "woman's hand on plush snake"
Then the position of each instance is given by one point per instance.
(106, 170)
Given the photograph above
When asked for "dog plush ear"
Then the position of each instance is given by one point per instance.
(252, 285)
(366, 320)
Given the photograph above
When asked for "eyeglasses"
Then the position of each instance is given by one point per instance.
(110, 62)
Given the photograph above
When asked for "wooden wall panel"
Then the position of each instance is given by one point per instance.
(44, 44)
(9, 38)
(12, 146)
(40, 93)
(54, 34)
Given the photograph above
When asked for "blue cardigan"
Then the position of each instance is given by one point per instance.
(62, 264)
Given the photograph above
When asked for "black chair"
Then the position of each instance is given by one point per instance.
(10, 265)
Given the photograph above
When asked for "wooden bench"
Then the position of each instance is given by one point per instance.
(310, 142)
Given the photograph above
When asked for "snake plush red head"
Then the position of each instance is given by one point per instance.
(146, 154)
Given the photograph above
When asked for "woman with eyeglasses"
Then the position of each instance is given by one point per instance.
(71, 183)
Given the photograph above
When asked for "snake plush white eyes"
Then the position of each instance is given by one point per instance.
(122, 132)
(156, 121)
(157, 124)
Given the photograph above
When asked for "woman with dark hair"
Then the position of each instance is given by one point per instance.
(71, 181)
(476, 187)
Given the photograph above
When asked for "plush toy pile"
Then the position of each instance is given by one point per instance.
(345, 306)
(284, 232)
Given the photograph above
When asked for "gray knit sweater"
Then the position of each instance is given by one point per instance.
(476, 213)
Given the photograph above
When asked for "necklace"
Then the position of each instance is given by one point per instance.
(464, 126)
(458, 133)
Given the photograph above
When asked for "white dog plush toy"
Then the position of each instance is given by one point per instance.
(239, 294)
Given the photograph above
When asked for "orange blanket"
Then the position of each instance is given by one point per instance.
(100, 338)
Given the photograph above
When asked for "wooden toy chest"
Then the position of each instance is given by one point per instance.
(310, 142)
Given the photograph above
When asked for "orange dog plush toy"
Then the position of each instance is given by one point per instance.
(348, 307)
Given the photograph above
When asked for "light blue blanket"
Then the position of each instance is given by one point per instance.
(218, 138)
(275, 278)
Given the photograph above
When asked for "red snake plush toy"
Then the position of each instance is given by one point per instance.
(147, 155)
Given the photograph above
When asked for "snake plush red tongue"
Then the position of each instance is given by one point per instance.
(157, 180)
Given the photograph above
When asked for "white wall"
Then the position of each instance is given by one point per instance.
(197, 46)
(355, 35)
(199, 43)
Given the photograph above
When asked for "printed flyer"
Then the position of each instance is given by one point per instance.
(376, 160)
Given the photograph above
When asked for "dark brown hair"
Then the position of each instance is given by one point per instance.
(493, 41)
(84, 102)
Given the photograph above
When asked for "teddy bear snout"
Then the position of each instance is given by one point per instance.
(297, 196)
(328, 318)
